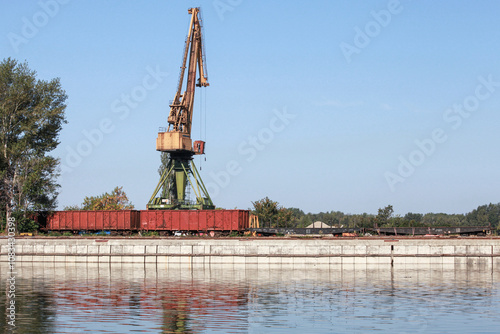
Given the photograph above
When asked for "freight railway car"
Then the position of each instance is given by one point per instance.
(119, 221)
(201, 221)
(166, 222)
(449, 230)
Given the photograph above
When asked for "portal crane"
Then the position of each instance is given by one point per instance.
(176, 139)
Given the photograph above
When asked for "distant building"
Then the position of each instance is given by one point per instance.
(318, 224)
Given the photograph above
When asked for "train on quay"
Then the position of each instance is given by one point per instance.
(210, 223)
(127, 222)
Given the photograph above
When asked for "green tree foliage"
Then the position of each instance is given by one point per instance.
(294, 217)
(116, 200)
(164, 162)
(72, 208)
(484, 215)
(413, 218)
(267, 211)
(296, 213)
(384, 215)
(297, 218)
(443, 219)
(168, 187)
(31, 117)
(364, 220)
(284, 217)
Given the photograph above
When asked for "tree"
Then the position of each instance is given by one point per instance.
(384, 215)
(296, 215)
(270, 213)
(168, 187)
(31, 117)
(284, 217)
(266, 210)
(116, 200)
(484, 215)
(413, 218)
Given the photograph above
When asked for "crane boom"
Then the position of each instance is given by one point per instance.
(180, 118)
(176, 140)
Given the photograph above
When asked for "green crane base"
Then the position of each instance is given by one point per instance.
(174, 181)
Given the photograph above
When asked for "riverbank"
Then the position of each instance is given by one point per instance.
(333, 251)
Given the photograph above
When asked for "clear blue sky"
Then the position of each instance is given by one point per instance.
(320, 105)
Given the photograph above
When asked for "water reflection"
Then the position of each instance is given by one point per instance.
(121, 298)
(35, 307)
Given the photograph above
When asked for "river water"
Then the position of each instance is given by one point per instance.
(138, 298)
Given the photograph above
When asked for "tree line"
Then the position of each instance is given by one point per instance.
(271, 214)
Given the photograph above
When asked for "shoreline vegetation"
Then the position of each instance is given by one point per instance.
(271, 214)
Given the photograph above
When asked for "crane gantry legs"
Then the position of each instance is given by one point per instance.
(174, 181)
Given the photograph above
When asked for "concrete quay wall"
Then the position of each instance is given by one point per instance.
(255, 250)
